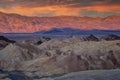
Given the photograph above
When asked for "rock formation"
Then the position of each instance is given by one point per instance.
(4, 42)
(59, 56)
(90, 38)
(110, 37)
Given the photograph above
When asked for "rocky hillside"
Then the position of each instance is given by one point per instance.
(18, 23)
(53, 56)
(61, 59)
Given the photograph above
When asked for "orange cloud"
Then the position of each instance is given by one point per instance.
(104, 8)
(59, 10)
(56, 10)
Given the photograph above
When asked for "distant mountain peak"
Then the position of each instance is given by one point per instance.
(72, 31)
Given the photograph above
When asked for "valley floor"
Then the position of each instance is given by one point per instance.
(113, 74)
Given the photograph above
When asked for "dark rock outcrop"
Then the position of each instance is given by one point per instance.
(110, 37)
(41, 40)
(6, 39)
(4, 42)
(14, 75)
(90, 38)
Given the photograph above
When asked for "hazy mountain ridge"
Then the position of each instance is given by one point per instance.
(71, 31)
(17, 23)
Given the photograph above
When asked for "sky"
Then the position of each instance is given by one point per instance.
(91, 8)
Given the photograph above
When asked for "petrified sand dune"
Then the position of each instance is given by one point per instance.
(77, 57)
(61, 56)
(13, 54)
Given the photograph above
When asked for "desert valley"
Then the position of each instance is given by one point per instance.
(59, 47)
(58, 53)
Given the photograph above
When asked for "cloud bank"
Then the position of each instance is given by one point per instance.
(92, 8)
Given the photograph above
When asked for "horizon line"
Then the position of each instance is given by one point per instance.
(59, 28)
(58, 16)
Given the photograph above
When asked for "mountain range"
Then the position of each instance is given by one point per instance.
(14, 23)
(71, 31)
